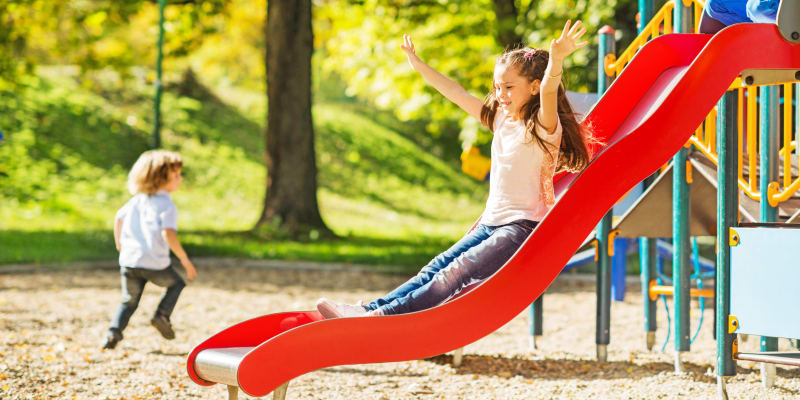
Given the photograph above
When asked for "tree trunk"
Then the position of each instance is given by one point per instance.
(506, 15)
(291, 197)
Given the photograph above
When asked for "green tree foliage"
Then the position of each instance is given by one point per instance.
(359, 42)
(100, 34)
(356, 44)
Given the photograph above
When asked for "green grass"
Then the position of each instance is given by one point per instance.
(70, 141)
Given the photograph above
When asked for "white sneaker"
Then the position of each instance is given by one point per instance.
(330, 309)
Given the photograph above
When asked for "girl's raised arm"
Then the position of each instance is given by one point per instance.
(548, 92)
(446, 86)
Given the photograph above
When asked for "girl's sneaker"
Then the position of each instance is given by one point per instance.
(330, 309)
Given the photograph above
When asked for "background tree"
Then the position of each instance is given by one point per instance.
(356, 60)
(506, 15)
(291, 197)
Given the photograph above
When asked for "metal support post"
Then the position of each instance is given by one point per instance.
(647, 246)
(646, 10)
(647, 261)
(680, 224)
(603, 324)
(727, 209)
(768, 159)
(683, 16)
(536, 319)
(680, 255)
(606, 46)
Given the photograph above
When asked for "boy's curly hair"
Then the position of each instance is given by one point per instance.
(151, 171)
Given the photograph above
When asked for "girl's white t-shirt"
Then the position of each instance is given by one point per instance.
(521, 176)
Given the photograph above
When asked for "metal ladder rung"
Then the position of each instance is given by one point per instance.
(772, 357)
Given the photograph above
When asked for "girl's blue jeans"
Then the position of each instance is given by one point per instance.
(478, 255)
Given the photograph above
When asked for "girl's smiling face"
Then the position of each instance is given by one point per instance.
(512, 90)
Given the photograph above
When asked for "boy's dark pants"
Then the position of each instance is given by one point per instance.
(133, 281)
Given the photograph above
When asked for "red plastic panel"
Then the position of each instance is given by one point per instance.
(645, 117)
(252, 332)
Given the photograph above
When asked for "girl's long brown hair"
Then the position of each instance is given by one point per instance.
(573, 154)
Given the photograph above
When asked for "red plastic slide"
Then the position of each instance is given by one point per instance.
(645, 117)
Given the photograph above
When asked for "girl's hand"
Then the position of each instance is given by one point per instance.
(408, 47)
(568, 41)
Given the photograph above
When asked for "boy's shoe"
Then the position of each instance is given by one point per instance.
(164, 327)
(330, 309)
(112, 338)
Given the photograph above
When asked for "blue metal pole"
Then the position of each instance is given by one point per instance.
(603, 323)
(618, 268)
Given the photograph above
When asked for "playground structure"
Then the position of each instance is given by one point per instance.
(651, 110)
(762, 104)
(751, 113)
(756, 104)
(695, 210)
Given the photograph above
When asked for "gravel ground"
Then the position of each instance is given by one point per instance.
(52, 326)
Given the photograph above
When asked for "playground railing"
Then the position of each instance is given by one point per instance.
(704, 138)
(747, 128)
(660, 24)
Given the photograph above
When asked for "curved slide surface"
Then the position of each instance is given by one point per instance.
(644, 118)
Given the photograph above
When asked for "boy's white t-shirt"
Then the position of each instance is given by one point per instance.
(521, 176)
(143, 218)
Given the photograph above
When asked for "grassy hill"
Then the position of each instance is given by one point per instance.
(70, 142)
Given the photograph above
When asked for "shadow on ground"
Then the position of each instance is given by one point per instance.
(551, 369)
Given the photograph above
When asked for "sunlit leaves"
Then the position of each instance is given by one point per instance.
(359, 41)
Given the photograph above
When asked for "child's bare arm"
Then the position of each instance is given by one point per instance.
(548, 93)
(444, 85)
(171, 236)
(117, 232)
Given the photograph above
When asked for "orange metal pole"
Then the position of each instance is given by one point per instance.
(787, 135)
(751, 137)
(656, 290)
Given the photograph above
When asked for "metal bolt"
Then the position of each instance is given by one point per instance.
(797, 75)
(795, 35)
(748, 79)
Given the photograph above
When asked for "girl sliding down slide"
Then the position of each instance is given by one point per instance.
(535, 136)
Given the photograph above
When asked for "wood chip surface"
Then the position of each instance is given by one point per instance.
(52, 325)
